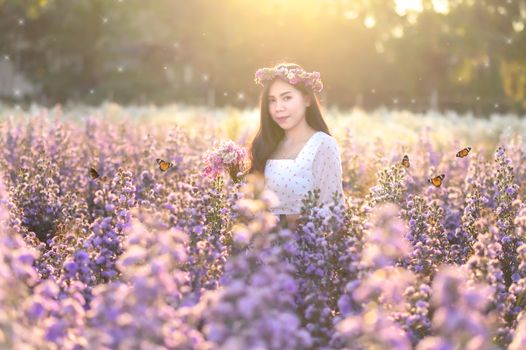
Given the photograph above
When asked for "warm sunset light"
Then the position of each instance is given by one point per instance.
(405, 6)
(275, 174)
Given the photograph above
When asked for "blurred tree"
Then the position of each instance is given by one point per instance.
(458, 54)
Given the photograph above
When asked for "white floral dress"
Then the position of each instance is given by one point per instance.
(317, 165)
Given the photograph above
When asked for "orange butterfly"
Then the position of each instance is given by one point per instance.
(94, 173)
(163, 166)
(96, 176)
(405, 161)
(463, 152)
(437, 180)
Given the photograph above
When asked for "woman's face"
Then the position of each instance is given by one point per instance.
(286, 104)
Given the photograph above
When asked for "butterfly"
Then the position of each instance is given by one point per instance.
(163, 166)
(405, 161)
(96, 176)
(463, 152)
(93, 173)
(437, 180)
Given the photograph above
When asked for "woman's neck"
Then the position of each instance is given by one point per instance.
(298, 134)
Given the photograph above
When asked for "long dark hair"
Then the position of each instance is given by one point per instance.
(270, 133)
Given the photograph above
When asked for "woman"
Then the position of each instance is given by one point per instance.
(293, 147)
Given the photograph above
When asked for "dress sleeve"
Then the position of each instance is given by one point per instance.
(327, 171)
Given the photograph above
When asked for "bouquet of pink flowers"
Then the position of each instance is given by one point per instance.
(226, 156)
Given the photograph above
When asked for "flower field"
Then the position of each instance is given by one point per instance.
(136, 228)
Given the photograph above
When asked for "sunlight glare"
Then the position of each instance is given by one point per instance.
(405, 6)
(369, 21)
(441, 6)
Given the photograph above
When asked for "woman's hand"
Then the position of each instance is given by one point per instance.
(293, 221)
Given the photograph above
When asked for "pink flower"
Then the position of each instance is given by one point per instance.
(225, 156)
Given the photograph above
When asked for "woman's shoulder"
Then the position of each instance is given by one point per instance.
(326, 141)
(325, 136)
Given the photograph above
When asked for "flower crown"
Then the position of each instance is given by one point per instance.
(291, 75)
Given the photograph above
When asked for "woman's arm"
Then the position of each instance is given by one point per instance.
(292, 221)
(327, 171)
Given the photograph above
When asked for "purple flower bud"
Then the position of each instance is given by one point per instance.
(71, 267)
(109, 207)
(510, 190)
(35, 311)
(55, 331)
(515, 277)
